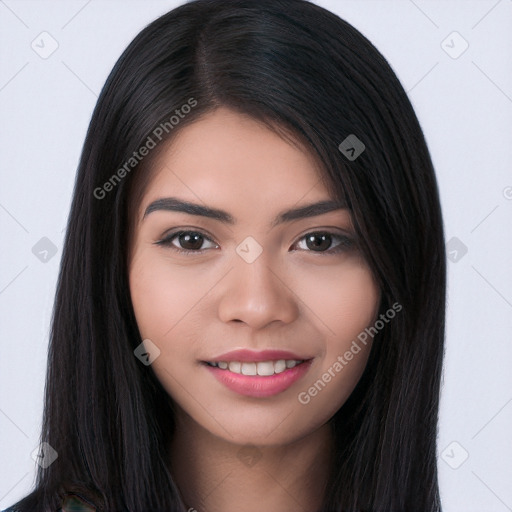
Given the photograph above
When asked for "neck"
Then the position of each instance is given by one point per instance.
(216, 475)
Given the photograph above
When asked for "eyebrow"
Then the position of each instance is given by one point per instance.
(177, 205)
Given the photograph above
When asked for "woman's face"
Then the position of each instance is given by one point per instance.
(279, 288)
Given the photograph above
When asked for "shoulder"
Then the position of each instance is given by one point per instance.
(15, 508)
(71, 503)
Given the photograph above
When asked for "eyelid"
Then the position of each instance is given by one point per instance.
(167, 238)
(346, 238)
(346, 241)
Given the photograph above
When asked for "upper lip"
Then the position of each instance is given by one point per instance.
(246, 355)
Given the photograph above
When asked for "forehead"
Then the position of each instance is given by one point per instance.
(230, 158)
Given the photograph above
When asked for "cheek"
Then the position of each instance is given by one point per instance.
(162, 294)
(346, 299)
(342, 299)
(168, 302)
(337, 302)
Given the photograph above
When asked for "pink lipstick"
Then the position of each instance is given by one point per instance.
(258, 373)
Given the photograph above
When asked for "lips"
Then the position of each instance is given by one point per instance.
(258, 374)
(246, 355)
(262, 368)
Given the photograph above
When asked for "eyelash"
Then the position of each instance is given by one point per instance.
(346, 243)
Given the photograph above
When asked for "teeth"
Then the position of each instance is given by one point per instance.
(235, 367)
(279, 366)
(263, 368)
(248, 368)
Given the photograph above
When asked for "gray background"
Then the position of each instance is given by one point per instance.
(464, 102)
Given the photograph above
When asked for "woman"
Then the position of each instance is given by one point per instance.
(250, 307)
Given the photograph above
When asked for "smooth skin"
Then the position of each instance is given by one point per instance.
(232, 452)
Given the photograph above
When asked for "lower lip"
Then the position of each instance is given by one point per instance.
(259, 386)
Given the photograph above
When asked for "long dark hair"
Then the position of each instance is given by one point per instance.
(302, 69)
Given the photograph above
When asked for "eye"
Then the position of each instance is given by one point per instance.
(191, 242)
(322, 242)
(188, 241)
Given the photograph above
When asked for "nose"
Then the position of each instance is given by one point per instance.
(257, 295)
